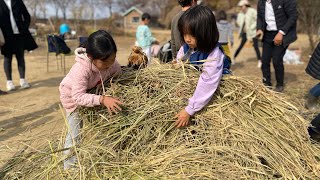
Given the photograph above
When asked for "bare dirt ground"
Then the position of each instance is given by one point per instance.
(29, 117)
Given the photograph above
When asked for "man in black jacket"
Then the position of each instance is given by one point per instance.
(313, 69)
(14, 23)
(276, 25)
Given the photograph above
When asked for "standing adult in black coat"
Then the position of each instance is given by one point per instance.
(276, 24)
(313, 69)
(14, 23)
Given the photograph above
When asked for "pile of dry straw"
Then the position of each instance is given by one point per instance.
(246, 132)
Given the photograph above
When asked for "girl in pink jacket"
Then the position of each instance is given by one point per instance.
(94, 64)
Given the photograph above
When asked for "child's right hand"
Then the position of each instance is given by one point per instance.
(111, 103)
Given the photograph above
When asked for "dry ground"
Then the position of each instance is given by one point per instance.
(29, 117)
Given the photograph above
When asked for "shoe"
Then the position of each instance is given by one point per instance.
(267, 84)
(314, 134)
(24, 84)
(312, 102)
(10, 86)
(259, 64)
(279, 89)
(3, 93)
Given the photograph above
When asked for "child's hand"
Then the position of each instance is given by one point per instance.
(111, 103)
(183, 118)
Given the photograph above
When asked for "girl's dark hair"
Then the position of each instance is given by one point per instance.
(222, 15)
(145, 16)
(184, 3)
(200, 23)
(100, 45)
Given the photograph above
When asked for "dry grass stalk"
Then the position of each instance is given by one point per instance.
(246, 132)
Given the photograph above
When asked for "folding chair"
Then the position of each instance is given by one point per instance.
(82, 40)
(165, 53)
(53, 47)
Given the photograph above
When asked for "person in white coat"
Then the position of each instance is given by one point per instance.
(247, 21)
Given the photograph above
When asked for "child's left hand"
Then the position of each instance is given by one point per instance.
(183, 118)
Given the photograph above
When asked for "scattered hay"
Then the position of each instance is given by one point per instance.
(246, 132)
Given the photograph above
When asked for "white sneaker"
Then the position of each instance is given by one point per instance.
(259, 64)
(10, 86)
(24, 84)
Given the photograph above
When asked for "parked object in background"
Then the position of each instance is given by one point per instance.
(165, 53)
(292, 56)
(64, 29)
(57, 45)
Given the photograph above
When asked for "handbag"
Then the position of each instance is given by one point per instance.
(2, 40)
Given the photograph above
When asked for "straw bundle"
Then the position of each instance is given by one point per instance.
(246, 132)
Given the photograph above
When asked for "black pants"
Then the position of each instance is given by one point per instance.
(243, 42)
(276, 53)
(8, 64)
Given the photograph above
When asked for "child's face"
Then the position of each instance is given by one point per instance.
(190, 40)
(146, 21)
(103, 65)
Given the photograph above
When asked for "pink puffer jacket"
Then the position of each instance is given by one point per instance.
(82, 76)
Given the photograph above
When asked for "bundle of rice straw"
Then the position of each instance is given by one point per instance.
(246, 132)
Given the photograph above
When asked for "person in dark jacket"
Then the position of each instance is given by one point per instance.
(313, 69)
(176, 41)
(14, 23)
(276, 25)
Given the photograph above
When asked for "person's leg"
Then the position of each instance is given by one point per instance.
(22, 69)
(277, 54)
(21, 63)
(8, 66)
(226, 50)
(72, 138)
(315, 91)
(266, 59)
(312, 99)
(256, 48)
(243, 42)
(147, 51)
(314, 129)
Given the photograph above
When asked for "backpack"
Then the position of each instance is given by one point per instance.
(58, 45)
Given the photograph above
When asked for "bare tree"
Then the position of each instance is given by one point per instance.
(62, 5)
(32, 6)
(126, 4)
(110, 4)
(309, 17)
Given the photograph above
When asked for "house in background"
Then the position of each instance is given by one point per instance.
(132, 18)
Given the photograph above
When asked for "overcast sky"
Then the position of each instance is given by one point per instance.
(99, 13)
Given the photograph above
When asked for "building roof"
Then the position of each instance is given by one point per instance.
(132, 9)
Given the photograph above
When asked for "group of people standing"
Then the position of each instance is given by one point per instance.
(274, 22)
(14, 25)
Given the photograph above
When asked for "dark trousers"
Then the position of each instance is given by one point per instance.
(243, 42)
(315, 91)
(8, 64)
(316, 124)
(276, 53)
